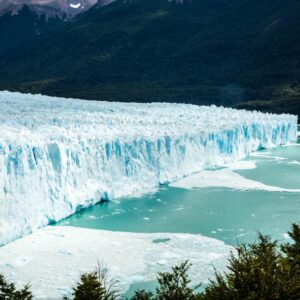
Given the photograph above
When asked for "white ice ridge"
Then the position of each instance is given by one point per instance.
(59, 155)
(52, 258)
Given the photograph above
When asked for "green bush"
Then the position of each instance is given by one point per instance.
(95, 286)
(174, 285)
(143, 295)
(261, 270)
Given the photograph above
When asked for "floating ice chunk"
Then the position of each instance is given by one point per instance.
(294, 162)
(267, 155)
(242, 165)
(60, 155)
(286, 236)
(129, 257)
(228, 179)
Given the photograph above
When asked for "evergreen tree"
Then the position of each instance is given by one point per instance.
(173, 285)
(95, 286)
(290, 264)
(143, 295)
(260, 271)
(8, 291)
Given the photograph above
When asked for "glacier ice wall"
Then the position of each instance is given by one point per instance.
(59, 155)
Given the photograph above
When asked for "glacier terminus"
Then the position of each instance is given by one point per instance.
(59, 155)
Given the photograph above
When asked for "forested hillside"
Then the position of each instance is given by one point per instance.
(243, 53)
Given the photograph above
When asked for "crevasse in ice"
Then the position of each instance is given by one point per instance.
(59, 155)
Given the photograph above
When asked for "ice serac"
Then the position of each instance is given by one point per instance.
(59, 155)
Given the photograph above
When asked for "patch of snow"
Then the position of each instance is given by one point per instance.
(77, 5)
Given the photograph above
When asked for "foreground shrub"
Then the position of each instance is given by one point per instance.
(8, 291)
(143, 295)
(255, 273)
(174, 285)
(260, 271)
(95, 286)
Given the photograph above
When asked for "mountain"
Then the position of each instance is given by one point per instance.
(51, 8)
(22, 20)
(23, 25)
(243, 53)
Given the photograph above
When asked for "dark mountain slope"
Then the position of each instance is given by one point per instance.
(64, 9)
(231, 52)
(26, 24)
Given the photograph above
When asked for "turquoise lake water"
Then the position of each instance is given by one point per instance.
(231, 215)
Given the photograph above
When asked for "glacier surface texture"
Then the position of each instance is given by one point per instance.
(60, 155)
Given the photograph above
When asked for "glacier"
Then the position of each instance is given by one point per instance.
(59, 155)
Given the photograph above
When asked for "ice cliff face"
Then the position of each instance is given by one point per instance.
(59, 155)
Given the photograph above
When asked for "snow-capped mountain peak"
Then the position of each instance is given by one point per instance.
(68, 8)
